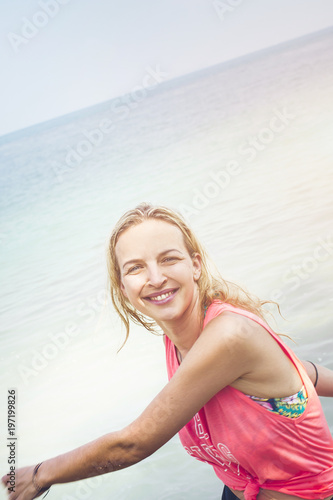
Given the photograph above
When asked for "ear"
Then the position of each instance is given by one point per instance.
(196, 260)
(122, 288)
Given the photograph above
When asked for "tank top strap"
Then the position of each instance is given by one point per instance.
(217, 307)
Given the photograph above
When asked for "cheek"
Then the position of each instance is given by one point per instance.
(183, 273)
(131, 285)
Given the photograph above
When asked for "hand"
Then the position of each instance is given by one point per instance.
(21, 487)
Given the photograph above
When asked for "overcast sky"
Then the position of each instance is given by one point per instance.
(59, 56)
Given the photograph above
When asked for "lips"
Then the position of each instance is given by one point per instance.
(161, 297)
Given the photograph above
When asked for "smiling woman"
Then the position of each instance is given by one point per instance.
(164, 225)
(237, 395)
(159, 275)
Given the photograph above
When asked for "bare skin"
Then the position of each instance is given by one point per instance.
(160, 280)
(324, 385)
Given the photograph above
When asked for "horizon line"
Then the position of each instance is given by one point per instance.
(185, 75)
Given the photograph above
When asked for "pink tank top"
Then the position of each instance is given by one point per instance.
(250, 447)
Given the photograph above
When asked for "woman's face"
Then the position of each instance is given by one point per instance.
(158, 276)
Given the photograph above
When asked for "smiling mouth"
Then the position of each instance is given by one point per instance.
(162, 298)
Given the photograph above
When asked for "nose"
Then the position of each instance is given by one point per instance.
(155, 276)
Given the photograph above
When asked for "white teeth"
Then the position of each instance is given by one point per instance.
(161, 297)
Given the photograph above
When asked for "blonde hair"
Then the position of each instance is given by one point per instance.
(211, 285)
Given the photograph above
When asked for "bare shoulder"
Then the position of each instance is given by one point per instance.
(243, 340)
(268, 371)
(227, 346)
(233, 328)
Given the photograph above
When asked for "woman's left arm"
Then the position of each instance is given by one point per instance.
(324, 386)
(222, 354)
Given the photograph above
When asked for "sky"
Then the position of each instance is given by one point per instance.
(59, 56)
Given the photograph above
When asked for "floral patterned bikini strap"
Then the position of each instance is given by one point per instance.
(205, 311)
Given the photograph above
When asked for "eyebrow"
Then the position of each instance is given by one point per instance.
(132, 261)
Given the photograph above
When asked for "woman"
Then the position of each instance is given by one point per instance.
(238, 397)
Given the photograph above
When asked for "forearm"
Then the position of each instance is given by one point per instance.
(324, 385)
(108, 453)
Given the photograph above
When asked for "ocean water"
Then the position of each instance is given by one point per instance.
(244, 151)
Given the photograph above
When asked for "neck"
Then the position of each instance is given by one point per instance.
(184, 331)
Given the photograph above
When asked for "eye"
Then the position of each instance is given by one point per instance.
(170, 259)
(133, 269)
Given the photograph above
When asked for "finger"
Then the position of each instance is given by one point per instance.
(4, 479)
